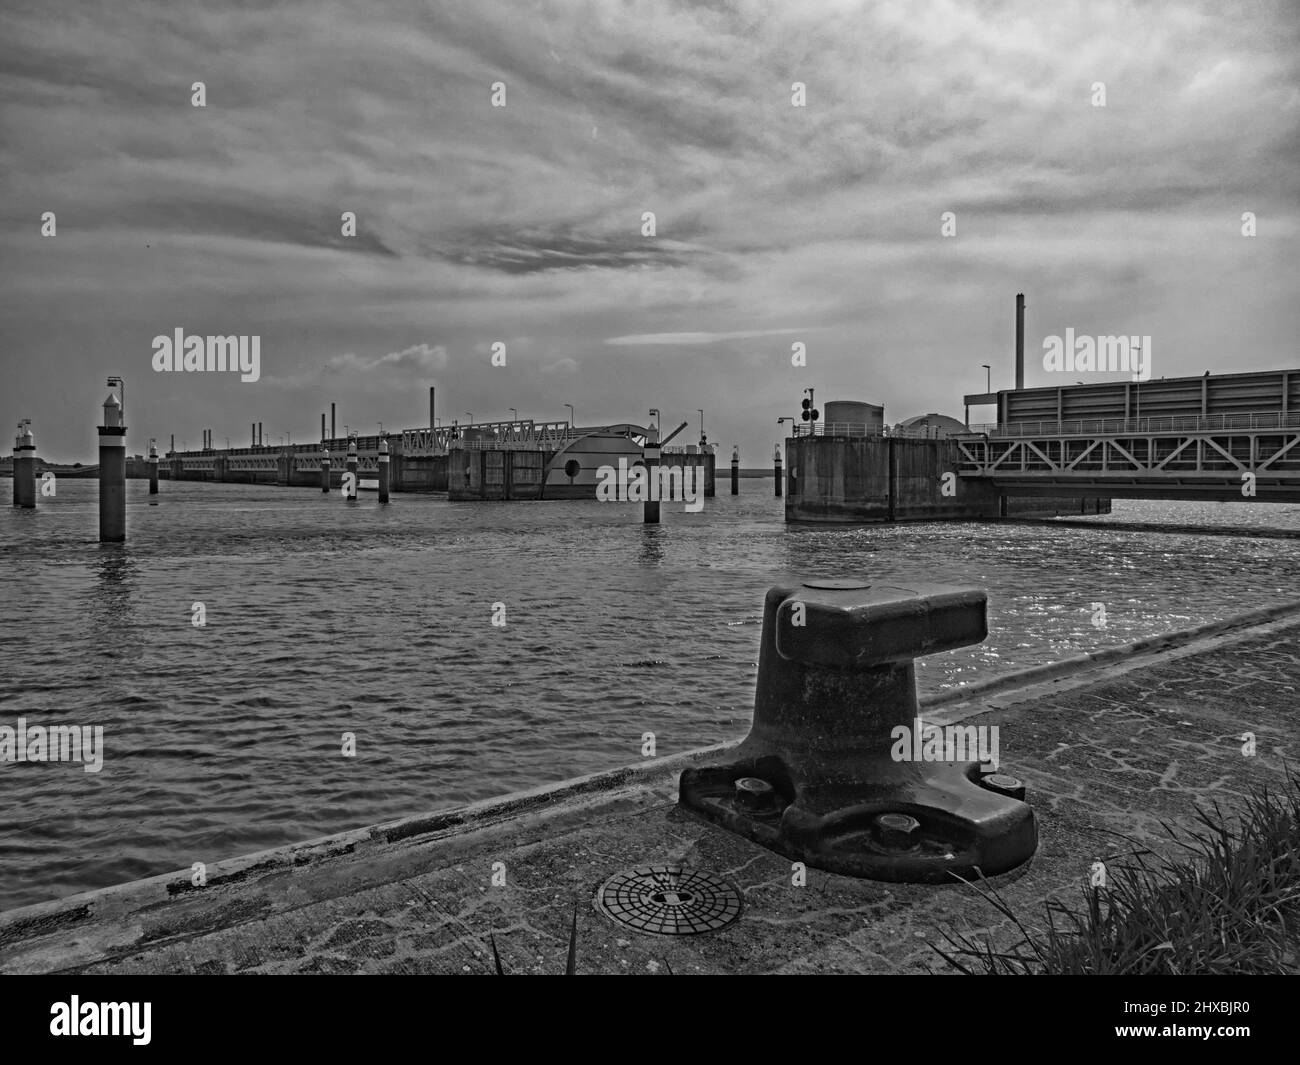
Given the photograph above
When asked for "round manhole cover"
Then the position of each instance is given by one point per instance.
(667, 900)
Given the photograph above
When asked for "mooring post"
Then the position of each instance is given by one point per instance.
(112, 474)
(383, 469)
(24, 467)
(735, 470)
(777, 470)
(651, 452)
(153, 468)
(351, 478)
(838, 770)
(324, 467)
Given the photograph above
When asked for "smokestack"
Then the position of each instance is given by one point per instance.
(322, 425)
(252, 434)
(1020, 340)
(173, 443)
(333, 434)
(259, 434)
(432, 422)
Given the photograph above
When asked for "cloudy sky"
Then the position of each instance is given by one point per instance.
(775, 224)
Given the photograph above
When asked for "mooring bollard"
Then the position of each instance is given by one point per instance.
(735, 471)
(351, 473)
(777, 471)
(383, 470)
(651, 452)
(153, 468)
(823, 776)
(24, 467)
(324, 467)
(112, 474)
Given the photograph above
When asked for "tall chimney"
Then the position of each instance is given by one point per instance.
(333, 434)
(322, 425)
(1020, 340)
(432, 422)
(259, 434)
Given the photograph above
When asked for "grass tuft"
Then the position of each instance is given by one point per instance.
(1228, 903)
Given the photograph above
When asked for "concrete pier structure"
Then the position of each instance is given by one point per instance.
(508, 461)
(25, 467)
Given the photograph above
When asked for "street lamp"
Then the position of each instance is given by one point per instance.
(120, 382)
(570, 406)
(470, 416)
(514, 412)
(988, 378)
(381, 428)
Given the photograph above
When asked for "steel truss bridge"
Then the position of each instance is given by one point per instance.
(1252, 454)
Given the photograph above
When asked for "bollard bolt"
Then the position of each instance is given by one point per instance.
(898, 831)
(755, 794)
(1004, 785)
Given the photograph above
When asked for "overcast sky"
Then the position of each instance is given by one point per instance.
(775, 224)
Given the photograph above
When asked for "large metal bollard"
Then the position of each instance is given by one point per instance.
(24, 467)
(816, 778)
(112, 474)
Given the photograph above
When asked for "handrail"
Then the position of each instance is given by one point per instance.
(1155, 424)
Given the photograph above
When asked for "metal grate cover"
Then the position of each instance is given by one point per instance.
(668, 900)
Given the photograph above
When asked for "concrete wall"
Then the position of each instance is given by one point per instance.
(856, 479)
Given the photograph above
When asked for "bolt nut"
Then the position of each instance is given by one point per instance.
(1004, 785)
(899, 831)
(754, 793)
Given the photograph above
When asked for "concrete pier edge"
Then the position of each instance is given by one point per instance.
(78, 913)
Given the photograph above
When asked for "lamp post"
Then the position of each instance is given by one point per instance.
(570, 406)
(988, 377)
(470, 416)
(513, 411)
(120, 382)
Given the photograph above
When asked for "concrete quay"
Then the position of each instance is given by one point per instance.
(1111, 744)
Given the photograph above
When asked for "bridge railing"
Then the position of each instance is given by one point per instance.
(1120, 426)
(858, 429)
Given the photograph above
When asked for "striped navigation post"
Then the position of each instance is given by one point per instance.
(735, 469)
(383, 469)
(153, 468)
(650, 515)
(777, 469)
(350, 491)
(25, 466)
(324, 466)
(112, 474)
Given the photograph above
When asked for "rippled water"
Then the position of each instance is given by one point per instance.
(324, 619)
